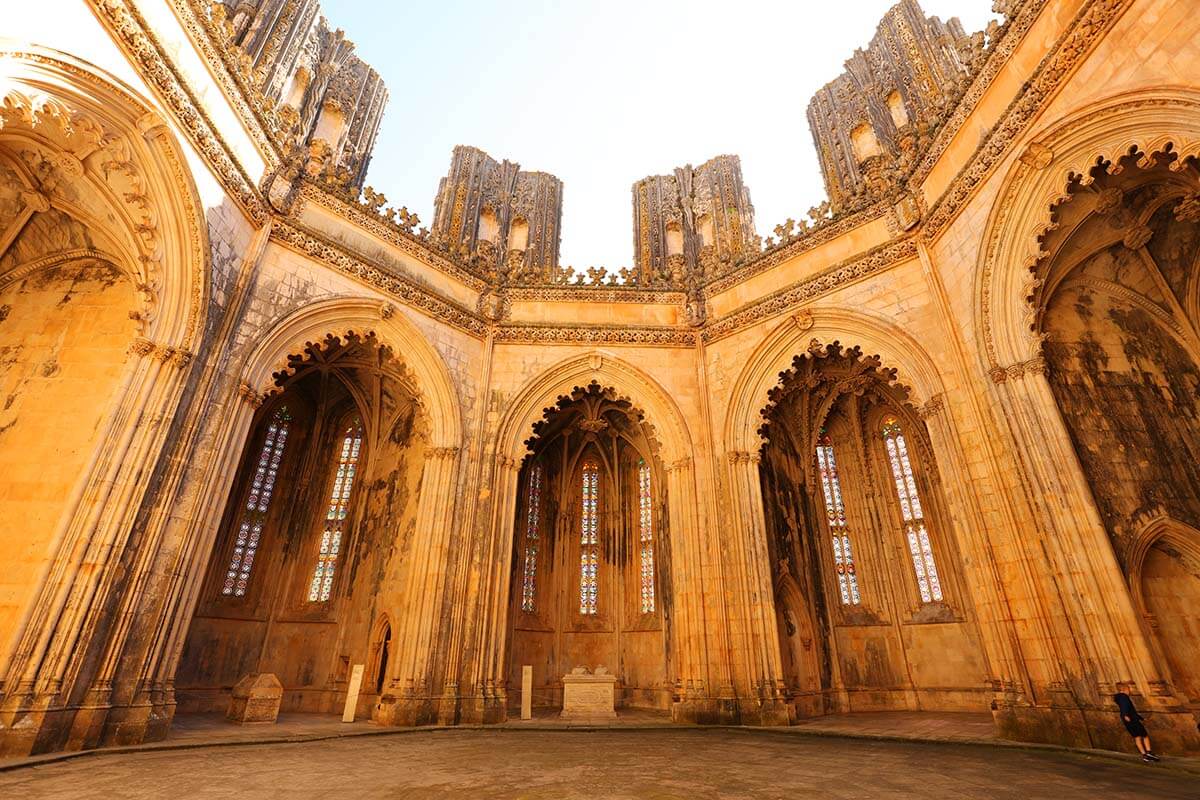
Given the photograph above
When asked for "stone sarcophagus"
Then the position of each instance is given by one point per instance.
(256, 698)
(589, 695)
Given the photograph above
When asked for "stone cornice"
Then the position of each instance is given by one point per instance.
(1070, 49)
(133, 36)
(374, 223)
(783, 252)
(597, 294)
(1014, 32)
(837, 277)
(337, 258)
(248, 103)
(596, 334)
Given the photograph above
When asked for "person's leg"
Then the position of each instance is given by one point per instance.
(1142, 746)
(1149, 748)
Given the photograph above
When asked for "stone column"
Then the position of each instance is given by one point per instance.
(754, 639)
(412, 701)
(46, 705)
(1080, 574)
(693, 700)
(486, 674)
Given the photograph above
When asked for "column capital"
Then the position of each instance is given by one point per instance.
(1017, 371)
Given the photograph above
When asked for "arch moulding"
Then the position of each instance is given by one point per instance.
(875, 335)
(114, 160)
(338, 316)
(644, 392)
(1145, 123)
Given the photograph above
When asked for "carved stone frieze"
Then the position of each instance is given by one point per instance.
(1087, 30)
(596, 334)
(1015, 372)
(134, 36)
(839, 276)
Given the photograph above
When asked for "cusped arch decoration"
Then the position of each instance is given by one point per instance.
(1161, 528)
(340, 316)
(105, 157)
(874, 335)
(1145, 123)
(646, 395)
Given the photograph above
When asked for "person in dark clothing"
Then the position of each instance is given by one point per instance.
(1133, 723)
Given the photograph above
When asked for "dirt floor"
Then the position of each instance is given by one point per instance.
(659, 764)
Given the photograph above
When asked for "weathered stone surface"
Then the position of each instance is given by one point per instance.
(255, 698)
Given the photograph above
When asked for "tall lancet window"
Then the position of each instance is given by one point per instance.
(335, 516)
(835, 513)
(533, 501)
(910, 508)
(646, 530)
(254, 514)
(589, 550)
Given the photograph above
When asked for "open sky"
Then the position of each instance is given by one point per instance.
(604, 92)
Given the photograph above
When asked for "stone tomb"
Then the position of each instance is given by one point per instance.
(589, 695)
(256, 698)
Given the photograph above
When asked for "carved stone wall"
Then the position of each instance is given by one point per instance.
(299, 62)
(691, 224)
(873, 116)
(507, 222)
(876, 649)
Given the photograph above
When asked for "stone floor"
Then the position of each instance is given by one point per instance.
(636, 763)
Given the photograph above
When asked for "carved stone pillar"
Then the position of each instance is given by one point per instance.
(59, 678)
(758, 671)
(693, 701)
(411, 699)
(487, 675)
(1072, 555)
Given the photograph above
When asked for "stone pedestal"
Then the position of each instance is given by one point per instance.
(588, 696)
(256, 698)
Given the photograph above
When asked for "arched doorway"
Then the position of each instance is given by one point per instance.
(872, 609)
(1118, 310)
(322, 514)
(590, 562)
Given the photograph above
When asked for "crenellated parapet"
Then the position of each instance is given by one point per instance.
(332, 100)
(691, 224)
(870, 122)
(504, 221)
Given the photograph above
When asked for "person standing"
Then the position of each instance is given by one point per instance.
(1133, 723)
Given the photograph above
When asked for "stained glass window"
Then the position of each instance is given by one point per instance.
(835, 513)
(254, 513)
(919, 546)
(646, 527)
(335, 517)
(589, 550)
(533, 501)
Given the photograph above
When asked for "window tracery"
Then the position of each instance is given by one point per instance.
(533, 501)
(589, 551)
(835, 514)
(646, 531)
(335, 517)
(919, 546)
(258, 501)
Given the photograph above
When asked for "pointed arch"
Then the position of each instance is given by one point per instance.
(1146, 123)
(874, 334)
(435, 390)
(646, 394)
(129, 178)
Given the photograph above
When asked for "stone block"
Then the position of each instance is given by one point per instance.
(589, 696)
(255, 699)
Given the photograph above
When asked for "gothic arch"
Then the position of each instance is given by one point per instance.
(435, 389)
(875, 334)
(647, 395)
(1145, 123)
(107, 159)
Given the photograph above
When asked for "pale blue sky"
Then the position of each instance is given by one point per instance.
(602, 94)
